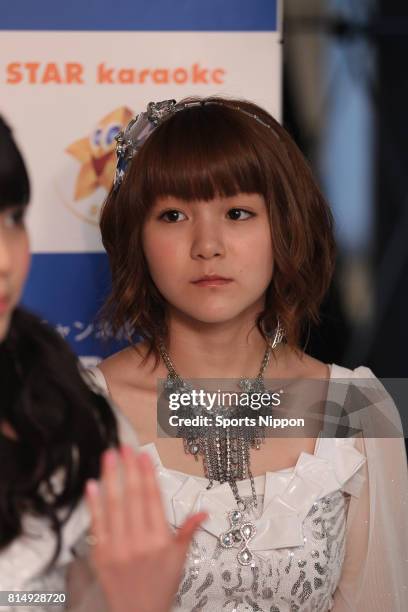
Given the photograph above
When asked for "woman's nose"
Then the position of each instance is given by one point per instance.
(208, 240)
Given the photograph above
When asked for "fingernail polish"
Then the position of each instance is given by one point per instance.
(126, 451)
(144, 459)
(110, 457)
(92, 488)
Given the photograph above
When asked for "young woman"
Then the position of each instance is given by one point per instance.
(53, 431)
(221, 250)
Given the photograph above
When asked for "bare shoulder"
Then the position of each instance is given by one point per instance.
(313, 368)
(128, 367)
(301, 365)
(131, 380)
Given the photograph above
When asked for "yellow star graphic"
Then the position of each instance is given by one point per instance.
(96, 153)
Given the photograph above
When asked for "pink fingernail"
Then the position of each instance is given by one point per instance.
(110, 457)
(126, 451)
(144, 460)
(92, 488)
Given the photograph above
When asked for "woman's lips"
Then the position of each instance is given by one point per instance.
(212, 282)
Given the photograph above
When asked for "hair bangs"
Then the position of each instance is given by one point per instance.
(199, 154)
(216, 147)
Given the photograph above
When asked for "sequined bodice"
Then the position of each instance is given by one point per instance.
(301, 578)
(299, 533)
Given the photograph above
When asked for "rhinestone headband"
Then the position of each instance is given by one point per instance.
(130, 140)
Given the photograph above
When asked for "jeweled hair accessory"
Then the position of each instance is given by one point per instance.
(139, 129)
(135, 134)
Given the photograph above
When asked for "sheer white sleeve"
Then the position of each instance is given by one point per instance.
(375, 569)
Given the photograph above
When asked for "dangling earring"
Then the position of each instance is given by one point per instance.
(277, 335)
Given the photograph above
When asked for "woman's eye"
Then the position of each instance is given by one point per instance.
(172, 216)
(239, 214)
(15, 217)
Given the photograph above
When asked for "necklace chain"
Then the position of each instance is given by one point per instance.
(224, 448)
(227, 459)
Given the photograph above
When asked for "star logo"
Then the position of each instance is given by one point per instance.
(96, 153)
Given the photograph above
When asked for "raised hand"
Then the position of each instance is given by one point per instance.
(137, 559)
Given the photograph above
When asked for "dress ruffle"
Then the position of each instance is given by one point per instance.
(288, 494)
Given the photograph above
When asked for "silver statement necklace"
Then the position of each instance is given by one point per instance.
(226, 451)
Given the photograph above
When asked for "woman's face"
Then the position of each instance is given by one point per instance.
(14, 262)
(225, 237)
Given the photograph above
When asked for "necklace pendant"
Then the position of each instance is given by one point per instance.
(191, 447)
(194, 449)
(245, 557)
(170, 383)
(252, 385)
(241, 531)
(245, 384)
(225, 460)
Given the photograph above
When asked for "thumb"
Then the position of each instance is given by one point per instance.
(188, 528)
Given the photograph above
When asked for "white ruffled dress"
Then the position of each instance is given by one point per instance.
(331, 532)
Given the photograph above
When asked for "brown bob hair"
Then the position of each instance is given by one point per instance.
(204, 151)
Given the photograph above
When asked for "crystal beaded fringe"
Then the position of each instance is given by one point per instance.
(226, 457)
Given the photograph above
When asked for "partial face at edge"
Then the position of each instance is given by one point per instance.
(14, 263)
(225, 237)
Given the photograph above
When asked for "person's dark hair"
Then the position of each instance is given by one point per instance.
(14, 182)
(53, 427)
(215, 150)
(61, 428)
